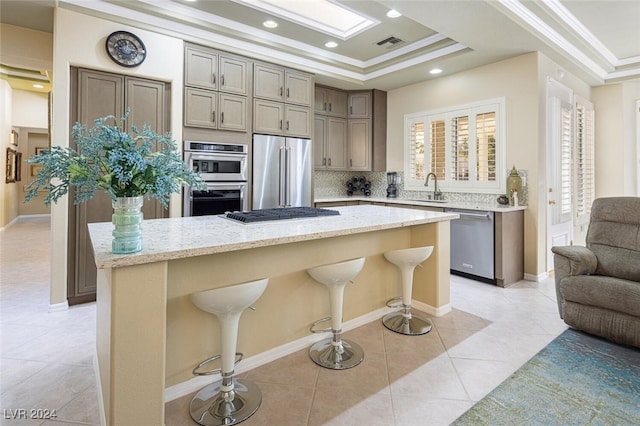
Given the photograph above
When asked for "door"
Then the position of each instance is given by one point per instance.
(268, 117)
(360, 145)
(559, 168)
(268, 171)
(336, 146)
(299, 88)
(233, 75)
(319, 141)
(297, 121)
(360, 105)
(201, 69)
(200, 108)
(233, 112)
(268, 82)
(298, 172)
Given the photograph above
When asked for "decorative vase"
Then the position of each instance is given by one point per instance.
(127, 221)
(514, 186)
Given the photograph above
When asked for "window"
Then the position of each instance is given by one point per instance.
(584, 164)
(463, 146)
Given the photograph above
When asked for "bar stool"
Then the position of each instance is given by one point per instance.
(403, 321)
(334, 352)
(230, 400)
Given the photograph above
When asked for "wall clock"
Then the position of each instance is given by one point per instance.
(125, 49)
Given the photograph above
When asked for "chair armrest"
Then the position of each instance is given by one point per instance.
(571, 261)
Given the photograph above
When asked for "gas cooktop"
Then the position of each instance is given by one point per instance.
(279, 214)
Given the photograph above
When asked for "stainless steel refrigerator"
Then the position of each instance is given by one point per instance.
(282, 170)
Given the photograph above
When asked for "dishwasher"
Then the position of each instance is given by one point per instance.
(473, 245)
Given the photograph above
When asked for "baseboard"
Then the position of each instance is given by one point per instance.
(436, 312)
(96, 372)
(58, 307)
(192, 385)
(536, 278)
(22, 218)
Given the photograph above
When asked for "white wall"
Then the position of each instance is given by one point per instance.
(616, 139)
(79, 41)
(30, 109)
(8, 191)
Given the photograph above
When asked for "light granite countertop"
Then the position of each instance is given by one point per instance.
(176, 238)
(495, 207)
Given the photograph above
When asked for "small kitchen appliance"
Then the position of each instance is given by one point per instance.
(392, 189)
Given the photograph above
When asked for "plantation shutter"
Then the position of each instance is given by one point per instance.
(437, 149)
(486, 147)
(459, 148)
(584, 160)
(565, 162)
(416, 151)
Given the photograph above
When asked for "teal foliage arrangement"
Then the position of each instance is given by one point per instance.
(138, 163)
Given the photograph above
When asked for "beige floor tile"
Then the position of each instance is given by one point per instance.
(409, 411)
(436, 378)
(352, 406)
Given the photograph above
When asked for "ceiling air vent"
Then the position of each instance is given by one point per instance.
(391, 42)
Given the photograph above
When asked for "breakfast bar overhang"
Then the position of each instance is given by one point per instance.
(150, 335)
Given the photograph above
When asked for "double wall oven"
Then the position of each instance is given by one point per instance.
(223, 167)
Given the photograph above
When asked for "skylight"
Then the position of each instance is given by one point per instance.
(320, 15)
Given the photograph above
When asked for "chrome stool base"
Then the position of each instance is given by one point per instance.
(341, 357)
(211, 407)
(411, 325)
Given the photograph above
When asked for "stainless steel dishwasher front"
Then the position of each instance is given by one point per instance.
(473, 244)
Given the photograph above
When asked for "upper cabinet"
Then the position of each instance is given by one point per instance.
(360, 104)
(282, 101)
(275, 83)
(330, 102)
(216, 90)
(362, 146)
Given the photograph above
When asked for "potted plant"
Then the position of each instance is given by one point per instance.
(128, 166)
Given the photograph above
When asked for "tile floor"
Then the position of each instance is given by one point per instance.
(46, 358)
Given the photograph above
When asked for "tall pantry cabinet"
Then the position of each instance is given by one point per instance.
(94, 95)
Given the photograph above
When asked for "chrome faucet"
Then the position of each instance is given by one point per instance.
(437, 195)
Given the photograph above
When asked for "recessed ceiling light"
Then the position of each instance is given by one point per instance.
(392, 13)
(38, 86)
(331, 44)
(435, 71)
(270, 24)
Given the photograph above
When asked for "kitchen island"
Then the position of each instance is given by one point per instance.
(150, 335)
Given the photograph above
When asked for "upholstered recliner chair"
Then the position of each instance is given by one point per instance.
(598, 286)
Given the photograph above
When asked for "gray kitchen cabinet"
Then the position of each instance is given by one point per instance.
(360, 104)
(330, 102)
(276, 118)
(330, 143)
(509, 247)
(359, 145)
(234, 75)
(281, 84)
(216, 89)
(201, 68)
(268, 82)
(298, 88)
(97, 94)
(212, 70)
(215, 110)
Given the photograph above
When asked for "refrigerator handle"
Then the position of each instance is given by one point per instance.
(287, 178)
(282, 166)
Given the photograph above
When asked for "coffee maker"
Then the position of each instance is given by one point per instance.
(392, 189)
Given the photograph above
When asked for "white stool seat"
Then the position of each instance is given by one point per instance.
(336, 353)
(403, 321)
(230, 400)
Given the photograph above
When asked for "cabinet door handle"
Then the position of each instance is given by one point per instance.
(324, 108)
(324, 161)
(329, 161)
(280, 91)
(222, 80)
(280, 124)
(287, 92)
(287, 124)
(330, 107)
(213, 78)
(222, 117)
(350, 162)
(351, 110)
(213, 116)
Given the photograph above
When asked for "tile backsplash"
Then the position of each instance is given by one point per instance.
(334, 184)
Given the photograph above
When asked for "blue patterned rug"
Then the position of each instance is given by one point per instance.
(577, 379)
